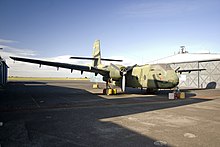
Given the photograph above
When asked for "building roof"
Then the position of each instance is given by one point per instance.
(189, 57)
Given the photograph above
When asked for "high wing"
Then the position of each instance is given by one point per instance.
(63, 65)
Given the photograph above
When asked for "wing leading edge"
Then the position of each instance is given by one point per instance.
(63, 65)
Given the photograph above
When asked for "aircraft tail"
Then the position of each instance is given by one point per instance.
(96, 53)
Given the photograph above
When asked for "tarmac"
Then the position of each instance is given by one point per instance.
(71, 113)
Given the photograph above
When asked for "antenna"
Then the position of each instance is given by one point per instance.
(183, 50)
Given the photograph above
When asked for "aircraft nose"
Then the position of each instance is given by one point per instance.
(176, 80)
(173, 78)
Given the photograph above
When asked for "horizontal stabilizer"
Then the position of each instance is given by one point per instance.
(111, 60)
(85, 58)
(88, 58)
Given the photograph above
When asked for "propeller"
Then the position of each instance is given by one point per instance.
(177, 69)
(123, 81)
(123, 72)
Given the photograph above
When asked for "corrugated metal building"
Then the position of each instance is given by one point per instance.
(3, 72)
(209, 78)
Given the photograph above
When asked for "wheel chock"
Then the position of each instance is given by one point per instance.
(95, 86)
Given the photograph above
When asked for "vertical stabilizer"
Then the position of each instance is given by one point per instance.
(96, 53)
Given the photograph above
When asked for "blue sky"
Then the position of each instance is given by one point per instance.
(140, 30)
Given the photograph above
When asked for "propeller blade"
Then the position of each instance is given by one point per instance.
(124, 69)
(123, 83)
(130, 68)
(176, 70)
(115, 67)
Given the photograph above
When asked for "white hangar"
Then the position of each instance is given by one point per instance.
(208, 78)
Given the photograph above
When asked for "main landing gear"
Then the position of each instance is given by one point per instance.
(108, 90)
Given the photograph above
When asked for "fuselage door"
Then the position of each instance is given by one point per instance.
(144, 76)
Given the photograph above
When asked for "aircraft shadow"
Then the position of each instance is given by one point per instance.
(38, 114)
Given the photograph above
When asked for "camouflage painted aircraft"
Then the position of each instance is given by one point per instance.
(149, 76)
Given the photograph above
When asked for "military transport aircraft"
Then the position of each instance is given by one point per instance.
(149, 76)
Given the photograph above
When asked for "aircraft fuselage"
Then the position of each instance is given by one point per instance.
(152, 76)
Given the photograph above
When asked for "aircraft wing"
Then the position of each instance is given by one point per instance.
(63, 65)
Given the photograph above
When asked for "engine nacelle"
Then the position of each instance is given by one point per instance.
(115, 74)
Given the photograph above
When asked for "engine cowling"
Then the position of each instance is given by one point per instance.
(115, 74)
